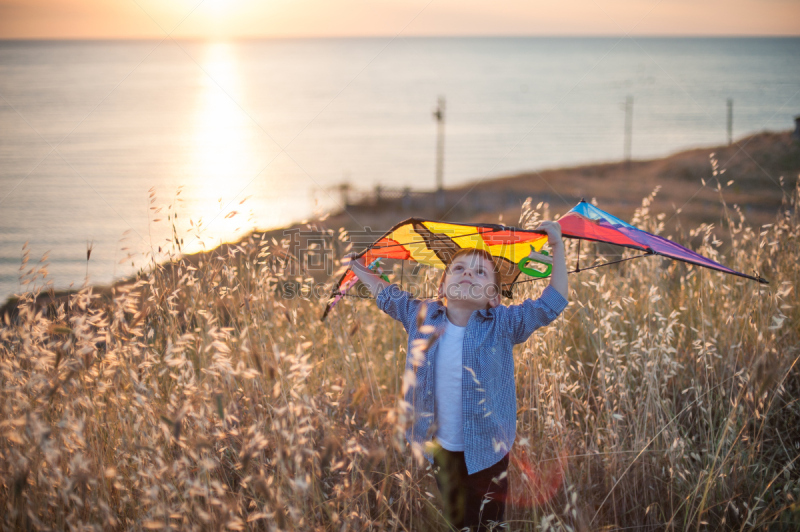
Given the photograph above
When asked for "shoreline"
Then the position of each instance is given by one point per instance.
(754, 173)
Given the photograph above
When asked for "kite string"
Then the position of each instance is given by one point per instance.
(578, 270)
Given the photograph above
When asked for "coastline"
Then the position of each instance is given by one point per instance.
(694, 187)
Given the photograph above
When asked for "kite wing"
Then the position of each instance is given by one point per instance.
(433, 243)
(587, 222)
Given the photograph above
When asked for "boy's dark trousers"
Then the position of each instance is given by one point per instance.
(463, 494)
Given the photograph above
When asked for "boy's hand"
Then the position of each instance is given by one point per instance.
(553, 230)
(558, 277)
(358, 265)
(347, 259)
(355, 262)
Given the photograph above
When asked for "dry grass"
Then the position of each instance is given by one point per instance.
(665, 398)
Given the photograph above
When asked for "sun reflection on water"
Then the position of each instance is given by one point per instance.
(221, 161)
(235, 177)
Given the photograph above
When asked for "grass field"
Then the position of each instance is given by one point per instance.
(666, 397)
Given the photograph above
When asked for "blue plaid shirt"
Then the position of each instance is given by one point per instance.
(488, 392)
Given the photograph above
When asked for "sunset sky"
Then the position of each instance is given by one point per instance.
(229, 19)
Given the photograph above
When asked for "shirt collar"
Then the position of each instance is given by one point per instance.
(486, 314)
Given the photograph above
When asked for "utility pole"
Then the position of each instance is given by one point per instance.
(628, 127)
(730, 121)
(438, 114)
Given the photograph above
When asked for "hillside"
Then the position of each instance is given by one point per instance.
(763, 169)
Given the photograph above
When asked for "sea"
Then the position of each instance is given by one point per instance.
(119, 150)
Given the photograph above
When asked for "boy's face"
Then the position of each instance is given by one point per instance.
(470, 280)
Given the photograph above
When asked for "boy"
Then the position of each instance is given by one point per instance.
(463, 402)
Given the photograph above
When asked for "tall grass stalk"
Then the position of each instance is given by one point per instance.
(196, 397)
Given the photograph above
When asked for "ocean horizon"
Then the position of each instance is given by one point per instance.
(103, 140)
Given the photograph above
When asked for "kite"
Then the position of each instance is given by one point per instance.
(433, 243)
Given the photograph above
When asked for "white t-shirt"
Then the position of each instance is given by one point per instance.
(447, 386)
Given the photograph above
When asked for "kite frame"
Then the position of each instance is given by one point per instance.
(495, 228)
(501, 227)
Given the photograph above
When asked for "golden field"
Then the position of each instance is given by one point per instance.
(198, 396)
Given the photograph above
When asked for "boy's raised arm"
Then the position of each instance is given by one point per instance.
(393, 301)
(525, 318)
(371, 280)
(558, 276)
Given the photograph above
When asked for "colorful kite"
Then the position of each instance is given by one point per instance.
(433, 243)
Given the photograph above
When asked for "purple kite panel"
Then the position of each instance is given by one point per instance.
(654, 243)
